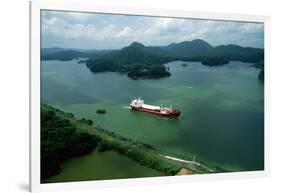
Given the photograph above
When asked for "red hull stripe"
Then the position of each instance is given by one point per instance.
(174, 113)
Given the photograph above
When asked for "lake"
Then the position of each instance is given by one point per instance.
(222, 121)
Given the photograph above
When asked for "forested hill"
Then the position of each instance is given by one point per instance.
(140, 61)
(198, 49)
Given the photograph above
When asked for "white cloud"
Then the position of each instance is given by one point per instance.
(118, 31)
(126, 32)
(105, 33)
(251, 27)
(60, 28)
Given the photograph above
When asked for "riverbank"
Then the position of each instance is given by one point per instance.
(142, 153)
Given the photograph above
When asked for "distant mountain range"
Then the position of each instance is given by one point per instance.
(64, 54)
(187, 49)
(140, 61)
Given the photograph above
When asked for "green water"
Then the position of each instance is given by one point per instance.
(101, 166)
(222, 119)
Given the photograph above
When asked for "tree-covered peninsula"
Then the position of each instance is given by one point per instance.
(64, 137)
(60, 141)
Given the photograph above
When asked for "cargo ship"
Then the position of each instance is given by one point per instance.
(139, 105)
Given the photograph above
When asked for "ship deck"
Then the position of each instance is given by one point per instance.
(151, 107)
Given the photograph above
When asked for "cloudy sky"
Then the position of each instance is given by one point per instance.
(107, 31)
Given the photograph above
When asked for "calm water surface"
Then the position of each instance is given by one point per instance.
(101, 166)
(222, 120)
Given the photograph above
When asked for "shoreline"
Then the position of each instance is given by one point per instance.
(143, 153)
(189, 162)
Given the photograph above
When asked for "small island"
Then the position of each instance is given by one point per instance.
(143, 71)
(101, 111)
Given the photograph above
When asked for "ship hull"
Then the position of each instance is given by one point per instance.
(174, 113)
